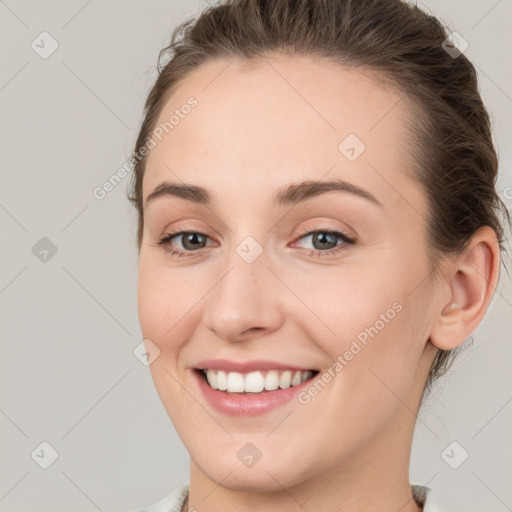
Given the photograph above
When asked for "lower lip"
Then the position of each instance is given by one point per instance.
(247, 405)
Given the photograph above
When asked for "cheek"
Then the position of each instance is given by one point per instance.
(343, 304)
(367, 321)
(150, 306)
(162, 300)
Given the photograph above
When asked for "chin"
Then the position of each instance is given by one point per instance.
(262, 477)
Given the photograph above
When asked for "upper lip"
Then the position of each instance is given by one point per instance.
(246, 366)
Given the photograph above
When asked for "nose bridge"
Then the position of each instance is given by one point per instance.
(244, 296)
(247, 255)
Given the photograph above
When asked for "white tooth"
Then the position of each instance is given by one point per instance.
(296, 379)
(305, 376)
(254, 382)
(271, 380)
(285, 380)
(211, 378)
(222, 380)
(235, 382)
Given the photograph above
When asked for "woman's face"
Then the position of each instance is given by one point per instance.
(262, 281)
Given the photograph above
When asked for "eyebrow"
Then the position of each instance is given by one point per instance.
(288, 195)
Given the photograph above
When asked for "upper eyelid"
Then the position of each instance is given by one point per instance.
(340, 233)
(308, 230)
(302, 231)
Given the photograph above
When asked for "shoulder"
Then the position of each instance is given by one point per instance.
(424, 496)
(170, 503)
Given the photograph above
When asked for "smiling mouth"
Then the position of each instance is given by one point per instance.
(255, 382)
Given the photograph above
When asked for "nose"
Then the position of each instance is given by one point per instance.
(246, 298)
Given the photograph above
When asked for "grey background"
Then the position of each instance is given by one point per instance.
(69, 325)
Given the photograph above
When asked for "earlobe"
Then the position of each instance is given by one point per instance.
(471, 281)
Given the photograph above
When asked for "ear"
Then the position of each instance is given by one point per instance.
(470, 284)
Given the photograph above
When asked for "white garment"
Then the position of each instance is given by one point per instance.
(173, 502)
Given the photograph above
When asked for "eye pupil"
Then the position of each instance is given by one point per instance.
(191, 237)
(322, 236)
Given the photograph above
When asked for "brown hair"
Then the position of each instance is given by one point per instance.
(456, 162)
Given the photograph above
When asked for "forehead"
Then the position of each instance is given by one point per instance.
(280, 120)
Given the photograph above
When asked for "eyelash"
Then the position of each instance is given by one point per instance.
(347, 241)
